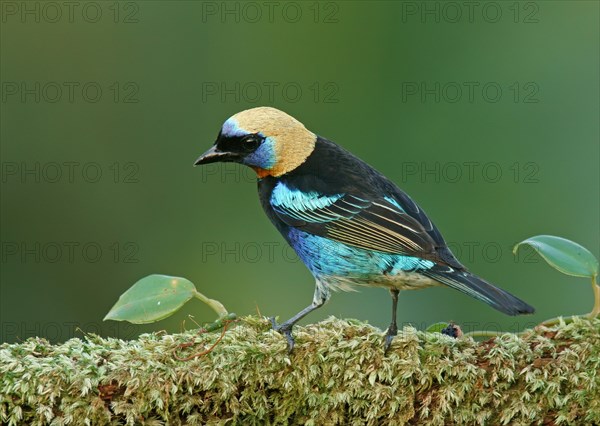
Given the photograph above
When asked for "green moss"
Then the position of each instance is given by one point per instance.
(338, 374)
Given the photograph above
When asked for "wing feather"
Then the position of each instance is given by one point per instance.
(371, 224)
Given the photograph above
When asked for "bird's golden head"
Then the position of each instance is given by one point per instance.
(268, 140)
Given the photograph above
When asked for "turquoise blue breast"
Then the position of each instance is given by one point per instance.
(325, 257)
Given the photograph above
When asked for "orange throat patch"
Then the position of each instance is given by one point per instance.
(261, 173)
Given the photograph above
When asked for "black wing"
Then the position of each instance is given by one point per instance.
(338, 196)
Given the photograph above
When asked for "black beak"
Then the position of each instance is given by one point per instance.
(213, 155)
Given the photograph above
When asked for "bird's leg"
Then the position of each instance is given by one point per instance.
(393, 328)
(321, 296)
(286, 327)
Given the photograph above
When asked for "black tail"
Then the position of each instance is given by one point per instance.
(480, 289)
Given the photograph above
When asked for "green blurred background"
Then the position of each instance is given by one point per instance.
(486, 113)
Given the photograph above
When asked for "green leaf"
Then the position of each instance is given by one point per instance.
(436, 327)
(151, 299)
(564, 255)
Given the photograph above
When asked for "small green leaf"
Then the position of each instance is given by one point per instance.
(436, 327)
(151, 299)
(564, 255)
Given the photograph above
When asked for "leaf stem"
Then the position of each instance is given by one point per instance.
(221, 322)
(548, 323)
(596, 311)
(214, 304)
(486, 333)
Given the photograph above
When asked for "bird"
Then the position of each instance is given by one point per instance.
(349, 224)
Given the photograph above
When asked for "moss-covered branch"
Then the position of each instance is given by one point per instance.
(338, 374)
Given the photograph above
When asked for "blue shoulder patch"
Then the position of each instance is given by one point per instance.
(298, 201)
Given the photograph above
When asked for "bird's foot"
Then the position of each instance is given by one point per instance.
(389, 336)
(286, 330)
(452, 330)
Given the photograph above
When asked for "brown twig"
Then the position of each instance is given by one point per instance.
(206, 351)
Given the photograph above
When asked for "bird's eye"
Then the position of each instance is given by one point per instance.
(251, 142)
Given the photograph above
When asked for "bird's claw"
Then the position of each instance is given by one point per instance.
(389, 336)
(286, 331)
(388, 343)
